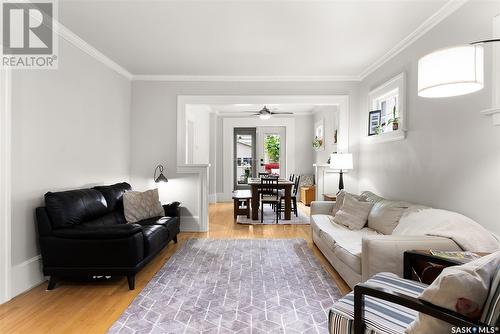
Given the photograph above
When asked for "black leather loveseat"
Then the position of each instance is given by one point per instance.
(84, 233)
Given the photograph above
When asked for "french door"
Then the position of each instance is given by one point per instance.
(244, 156)
(271, 150)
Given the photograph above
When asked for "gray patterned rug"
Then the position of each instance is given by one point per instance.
(234, 286)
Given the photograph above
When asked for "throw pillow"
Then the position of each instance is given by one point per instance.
(340, 200)
(353, 213)
(142, 205)
(462, 289)
(384, 217)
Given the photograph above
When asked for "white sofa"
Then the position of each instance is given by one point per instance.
(359, 254)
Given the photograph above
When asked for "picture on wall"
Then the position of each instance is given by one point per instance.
(319, 135)
(374, 119)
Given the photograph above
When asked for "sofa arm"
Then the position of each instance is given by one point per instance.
(384, 253)
(172, 209)
(322, 207)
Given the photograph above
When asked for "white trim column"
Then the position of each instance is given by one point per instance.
(5, 185)
(494, 111)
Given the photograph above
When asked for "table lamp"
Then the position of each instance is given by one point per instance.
(341, 161)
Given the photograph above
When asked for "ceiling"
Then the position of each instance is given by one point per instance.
(245, 38)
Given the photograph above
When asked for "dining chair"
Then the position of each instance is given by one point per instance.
(269, 195)
(295, 189)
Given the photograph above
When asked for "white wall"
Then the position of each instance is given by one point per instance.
(451, 157)
(154, 133)
(330, 117)
(70, 129)
(200, 116)
(303, 145)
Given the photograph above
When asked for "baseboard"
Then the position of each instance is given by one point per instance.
(26, 275)
(223, 197)
(190, 224)
(212, 198)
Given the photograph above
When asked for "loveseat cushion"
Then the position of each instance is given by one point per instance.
(114, 195)
(67, 208)
(112, 218)
(155, 237)
(343, 242)
(98, 232)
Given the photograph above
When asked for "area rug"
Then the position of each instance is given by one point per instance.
(234, 286)
(270, 218)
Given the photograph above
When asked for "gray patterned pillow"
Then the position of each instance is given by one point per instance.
(142, 205)
(353, 213)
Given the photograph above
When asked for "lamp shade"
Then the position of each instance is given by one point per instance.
(342, 161)
(451, 72)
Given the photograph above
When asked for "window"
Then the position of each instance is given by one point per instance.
(388, 106)
(386, 111)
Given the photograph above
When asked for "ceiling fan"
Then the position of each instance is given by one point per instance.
(265, 113)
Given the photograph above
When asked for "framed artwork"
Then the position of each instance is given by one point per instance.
(374, 119)
(319, 135)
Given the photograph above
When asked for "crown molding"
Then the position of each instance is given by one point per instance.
(80, 43)
(243, 78)
(446, 10)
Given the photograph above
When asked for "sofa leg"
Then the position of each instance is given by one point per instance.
(52, 283)
(175, 239)
(131, 282)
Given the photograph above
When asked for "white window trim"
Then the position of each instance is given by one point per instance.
(399, 83)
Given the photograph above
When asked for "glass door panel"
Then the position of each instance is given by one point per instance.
(244, 156)
(272, 150)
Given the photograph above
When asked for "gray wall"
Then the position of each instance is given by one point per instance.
(154, 126)
(70, 129)
(451, 157)
(304, 154)
(330, 117)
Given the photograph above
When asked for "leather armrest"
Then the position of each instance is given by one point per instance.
(363, 289)
(100, 232)
(172, 209)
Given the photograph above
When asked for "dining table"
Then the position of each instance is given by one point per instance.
(255, 185)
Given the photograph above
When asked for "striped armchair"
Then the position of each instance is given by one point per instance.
(388, 304)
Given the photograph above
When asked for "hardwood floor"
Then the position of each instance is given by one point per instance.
(92, 307)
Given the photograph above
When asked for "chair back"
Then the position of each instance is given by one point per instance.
(296, 186)
(269, 185)
(491, 309)
(292, 177)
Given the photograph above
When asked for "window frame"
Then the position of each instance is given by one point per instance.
(385, 91)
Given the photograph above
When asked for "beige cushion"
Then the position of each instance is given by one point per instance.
(353, 213)
(142, 205)
(384, 216)
(343, 242)
(340, 200)
(462, 289)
